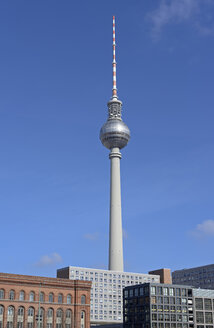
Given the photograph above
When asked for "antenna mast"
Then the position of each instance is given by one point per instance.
(114, 90)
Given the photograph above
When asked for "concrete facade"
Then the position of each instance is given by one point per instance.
(31, 302)
(107, 290)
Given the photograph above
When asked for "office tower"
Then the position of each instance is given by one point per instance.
(199, 277)
(115, 135)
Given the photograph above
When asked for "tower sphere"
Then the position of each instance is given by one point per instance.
(114, 133)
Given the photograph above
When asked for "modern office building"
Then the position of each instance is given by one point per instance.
(167, 306)
(199, 277)
(107, 290)
(40, 302)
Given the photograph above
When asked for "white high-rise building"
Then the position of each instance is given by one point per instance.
(107, 290)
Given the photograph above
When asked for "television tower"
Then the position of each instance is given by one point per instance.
(115, 135)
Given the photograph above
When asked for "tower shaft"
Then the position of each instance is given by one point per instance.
(115, 228)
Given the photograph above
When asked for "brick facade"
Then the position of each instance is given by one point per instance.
(62, 302)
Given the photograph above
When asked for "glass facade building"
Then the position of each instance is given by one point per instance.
(167, 306)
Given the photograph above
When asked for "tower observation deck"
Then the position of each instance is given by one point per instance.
(115, 135)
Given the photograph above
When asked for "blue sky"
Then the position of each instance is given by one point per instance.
(55, 81)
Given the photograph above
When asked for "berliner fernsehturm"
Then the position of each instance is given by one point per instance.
(115, 135)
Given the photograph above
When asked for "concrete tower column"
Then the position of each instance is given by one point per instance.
(115, 224)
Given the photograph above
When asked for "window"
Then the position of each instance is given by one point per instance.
(1, 309)
(207, 304)
(82, 322)
(199, 317)
(208, 317)
(199, 303)
(10, 311)
(32, 296)
(1, 294)
(171, 292)
(21, 295)
(153, 290)
(60, 298)
(50, 313)
(1, 316)
(68, 299)
(41, 297)
(10, 317)
(50, 298)
(21, 311)
(136, 292)
(59, 318)
(153, 299)
(30, 312)
(159, 290)
(184, 292)
(59, 313)
(41, 318)
(165, 291)
(178, 292)
(68, 316)
(83, 299)
(11, 295)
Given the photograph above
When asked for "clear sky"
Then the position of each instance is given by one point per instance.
(55, 81)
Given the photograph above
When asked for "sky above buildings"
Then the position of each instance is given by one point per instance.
(55, 81)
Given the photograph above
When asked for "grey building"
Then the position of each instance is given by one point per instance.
(167, 306)
(199, 277)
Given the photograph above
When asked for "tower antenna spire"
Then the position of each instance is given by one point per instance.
(114, 90)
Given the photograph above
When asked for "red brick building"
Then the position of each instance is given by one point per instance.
(39, 302)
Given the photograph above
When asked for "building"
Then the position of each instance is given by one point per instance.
(165, 275)
(30, 302)
(167, 306)
(106, 291)
(199, 277)
(204, 308)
